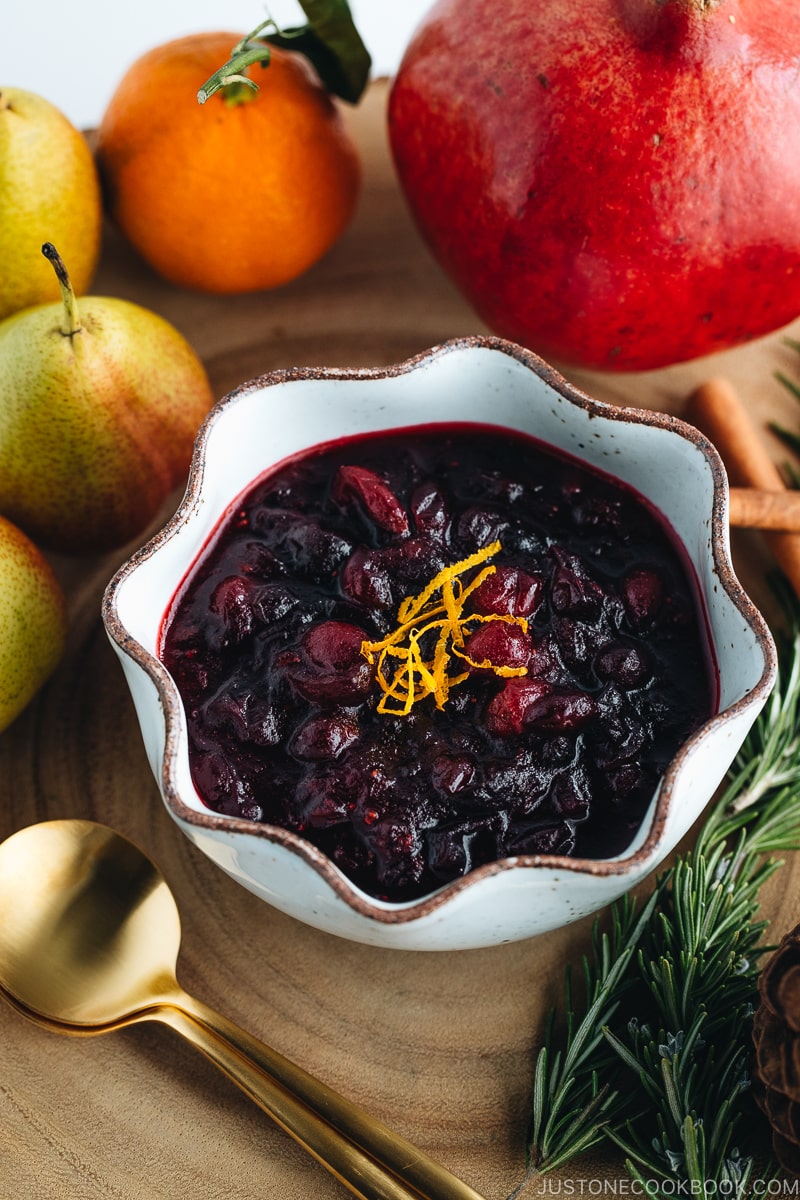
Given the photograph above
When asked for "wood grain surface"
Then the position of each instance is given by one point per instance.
(440, 1046)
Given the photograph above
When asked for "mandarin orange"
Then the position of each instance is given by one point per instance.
(242, 194)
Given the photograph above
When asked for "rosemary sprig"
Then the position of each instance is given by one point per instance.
(570, 1107)
(658, 1062)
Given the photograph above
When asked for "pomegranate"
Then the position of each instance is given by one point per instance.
(613, 183)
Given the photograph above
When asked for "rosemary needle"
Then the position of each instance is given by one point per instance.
(657, 1060)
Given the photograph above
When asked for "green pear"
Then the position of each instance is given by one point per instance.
(49, 188)
(99, 410)
(33, 621)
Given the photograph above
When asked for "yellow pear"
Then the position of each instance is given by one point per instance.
(49, 189)
(98, 414)
(33, 621)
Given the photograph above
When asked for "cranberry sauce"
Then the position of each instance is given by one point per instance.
(587, 662)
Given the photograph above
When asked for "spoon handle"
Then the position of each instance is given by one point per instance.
(366, 1156)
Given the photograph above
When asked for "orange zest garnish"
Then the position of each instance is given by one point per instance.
(437, 612)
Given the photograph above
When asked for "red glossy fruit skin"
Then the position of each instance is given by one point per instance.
(612, 183)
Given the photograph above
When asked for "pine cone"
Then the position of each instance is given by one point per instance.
(776, 1033)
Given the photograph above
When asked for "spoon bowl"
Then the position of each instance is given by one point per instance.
(98, 931)
(89, 939)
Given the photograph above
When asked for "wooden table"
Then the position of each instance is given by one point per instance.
(440, 1046)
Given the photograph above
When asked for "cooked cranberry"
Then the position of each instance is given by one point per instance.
(479, 527)
(452, 773)
(627, 665)
(507, 712)
(542, 839)
(257, 561)
(377, 498)
(271, 602)
(334, 646)
(643, 595)
(324, 737)
(562, 709)
(624, 779)
(267, 722)
(366, 578)
(509, 590)
(228, 710)
(329, 666)
(545, 661)
(224, 784)
(399, 852)
(572, 794)
(248, 716)
(525, 704)
(301, 543)
(429, 510)
(460, 846)
(498, 644)
(558, 751)
(577, 641)
(326, 798)
(572, 589)
(519, 784)
(621, 745)
(416, 561)
(351, 856)
(379, 579)
(232, 603)
(621, 735)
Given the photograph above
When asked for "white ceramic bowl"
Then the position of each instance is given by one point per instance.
(483, 380)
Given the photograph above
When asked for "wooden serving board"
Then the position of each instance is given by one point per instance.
(440, 1046)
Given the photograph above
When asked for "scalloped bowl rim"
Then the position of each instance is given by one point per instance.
(643, 851)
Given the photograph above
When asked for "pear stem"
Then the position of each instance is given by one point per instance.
(72, 320)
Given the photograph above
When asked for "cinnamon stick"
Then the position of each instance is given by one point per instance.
(753, 508)
(718, 412)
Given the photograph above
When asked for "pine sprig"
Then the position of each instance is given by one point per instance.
(671, 994)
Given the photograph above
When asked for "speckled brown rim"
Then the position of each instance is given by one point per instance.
(385, 913)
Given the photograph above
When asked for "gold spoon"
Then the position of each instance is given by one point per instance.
(89, 938)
